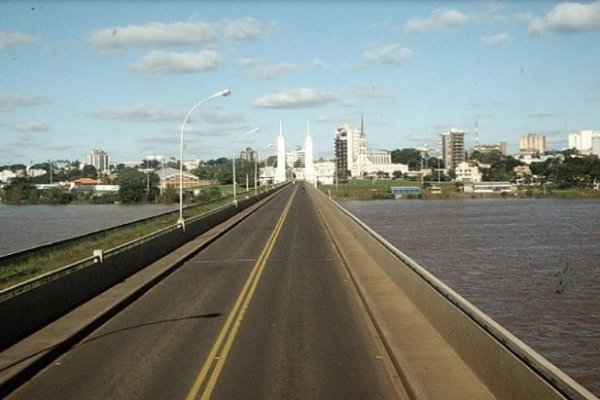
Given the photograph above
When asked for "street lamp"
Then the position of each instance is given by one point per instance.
(233, 162)
(225, 92)
(256, 167)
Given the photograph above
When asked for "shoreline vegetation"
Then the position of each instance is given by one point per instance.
(380, 190)
(20, 270)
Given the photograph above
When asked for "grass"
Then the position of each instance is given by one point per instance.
(38, 264)
(380, 189)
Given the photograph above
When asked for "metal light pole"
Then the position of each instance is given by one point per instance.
(233, 162)
(225, 92)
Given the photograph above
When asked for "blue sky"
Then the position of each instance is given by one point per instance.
(121, 76)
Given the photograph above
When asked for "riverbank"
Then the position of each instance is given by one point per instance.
(380, 190)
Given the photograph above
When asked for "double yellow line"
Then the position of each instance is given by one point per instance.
(209, 374)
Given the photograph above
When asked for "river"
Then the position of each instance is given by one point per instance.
(531, 265)
(22, 227)
(504, 256)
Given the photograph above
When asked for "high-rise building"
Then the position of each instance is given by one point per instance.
(582, 141)
(354, 160)
(452, 144)
(341, 150)
(531, 144)
(99, 159)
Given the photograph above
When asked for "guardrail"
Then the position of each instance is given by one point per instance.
(32, 304)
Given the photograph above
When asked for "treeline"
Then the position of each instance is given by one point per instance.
(564, 169)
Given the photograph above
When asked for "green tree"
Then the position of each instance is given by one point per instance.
(89, 171)
(409, 156)
(132, 185)
(17, 191)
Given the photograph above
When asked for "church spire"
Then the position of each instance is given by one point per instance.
(362, 126)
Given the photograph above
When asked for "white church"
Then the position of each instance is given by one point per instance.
(353, 159)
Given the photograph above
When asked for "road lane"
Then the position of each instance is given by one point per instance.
(303, 335)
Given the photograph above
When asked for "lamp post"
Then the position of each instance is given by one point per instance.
(225, 92)
(233, 162)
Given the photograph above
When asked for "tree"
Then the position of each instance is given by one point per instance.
(409, 156)
(89, 171)
(132, 185)
(17, 191)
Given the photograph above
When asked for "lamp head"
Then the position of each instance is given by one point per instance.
(225, 93)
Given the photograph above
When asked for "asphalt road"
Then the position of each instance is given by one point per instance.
(266, 312)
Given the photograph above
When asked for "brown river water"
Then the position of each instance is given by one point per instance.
(507, 257)
(531, 265)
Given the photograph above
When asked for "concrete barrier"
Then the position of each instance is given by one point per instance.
(33, 304)
(504, 364)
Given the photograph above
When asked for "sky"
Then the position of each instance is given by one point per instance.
(121, 76)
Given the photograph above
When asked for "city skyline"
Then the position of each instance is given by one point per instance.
(119, 76)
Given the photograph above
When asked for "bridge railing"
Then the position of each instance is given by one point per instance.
(32, 304)
(504, 352)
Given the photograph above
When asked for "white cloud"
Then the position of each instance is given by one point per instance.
(243, 29)
(32, 126)
(498, 39)
(9, 102)
(439, 20)
(301, 98)
(163, 62)
(568, 17)
(254, 69)
(154, 34)
(15, 39)
(138, 113)
(390, 54)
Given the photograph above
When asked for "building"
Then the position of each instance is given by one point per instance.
(467, 172)
(583, 141)
(354, 160)
(488, 148)
(295, 157)
(99, 159)
(453, 147)
(325, 172)
(531, 144)
(191, 164)
(596, 145)
(248, 155)
(521, 171)
(489, 187)
(170, 178)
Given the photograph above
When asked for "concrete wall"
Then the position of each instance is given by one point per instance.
(509, 368)
(32, 305)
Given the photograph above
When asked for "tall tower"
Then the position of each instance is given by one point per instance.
(281, 167)
(309, 167)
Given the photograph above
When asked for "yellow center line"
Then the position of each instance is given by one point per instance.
(209, 374)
